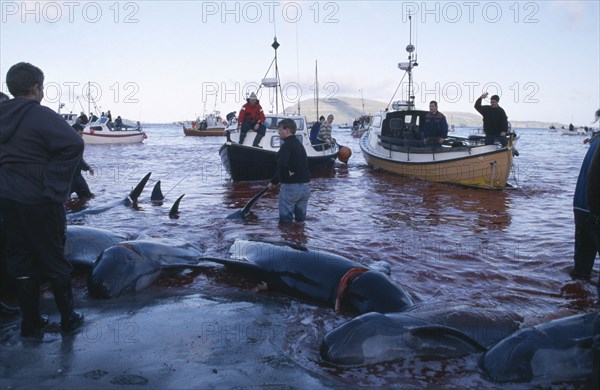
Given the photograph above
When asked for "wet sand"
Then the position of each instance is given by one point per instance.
(152, 341)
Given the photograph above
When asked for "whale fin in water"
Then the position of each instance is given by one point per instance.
(174, 212)
(133, 196)
(157, 195)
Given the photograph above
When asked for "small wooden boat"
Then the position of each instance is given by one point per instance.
(211, 126)
(394, 143)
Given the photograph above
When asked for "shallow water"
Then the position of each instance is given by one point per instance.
(508, 249)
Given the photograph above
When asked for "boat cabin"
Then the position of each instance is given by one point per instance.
(70, 118)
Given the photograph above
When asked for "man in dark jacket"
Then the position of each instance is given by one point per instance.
(585, 246)
(292, 173)
(436, 126)
(39, 152)
(495, 121)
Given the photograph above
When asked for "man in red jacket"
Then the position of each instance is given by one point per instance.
(252, 117)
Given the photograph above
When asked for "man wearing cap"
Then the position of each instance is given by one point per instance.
(252, 117)
(495, 121)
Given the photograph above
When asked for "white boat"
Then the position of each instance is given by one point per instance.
(579, 131)
(245, 162)
(394, 143)
(104, 132)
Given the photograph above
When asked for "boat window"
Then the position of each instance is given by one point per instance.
(275, 141)
(272, 122)
(96, 128)
(377, 121)
(103, 120)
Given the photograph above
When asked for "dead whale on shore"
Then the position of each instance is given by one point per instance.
(134, 265)
(558, 350)
(84, 244)
(317, 276)
(444, 331)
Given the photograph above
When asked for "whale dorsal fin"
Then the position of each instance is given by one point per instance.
(133, 196)
(157, 195)
(174, 212)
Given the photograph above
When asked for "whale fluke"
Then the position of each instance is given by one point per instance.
(157, 196)
(174, 213)
(133, 196)
(246, 210)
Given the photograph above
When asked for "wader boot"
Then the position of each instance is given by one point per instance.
(28, 293)
(257, 140)
(63, 296)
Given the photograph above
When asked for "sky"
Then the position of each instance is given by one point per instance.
(164, 61)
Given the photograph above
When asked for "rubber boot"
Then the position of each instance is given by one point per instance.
(63, 296)
(257, 140)
(28, 293)
(242, 138)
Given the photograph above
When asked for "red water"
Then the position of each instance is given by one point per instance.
(507, 249)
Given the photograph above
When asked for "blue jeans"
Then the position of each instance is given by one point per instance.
(293, 201)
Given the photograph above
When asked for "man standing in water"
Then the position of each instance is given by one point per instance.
(495, 121)
(39, 152)
(292, 173)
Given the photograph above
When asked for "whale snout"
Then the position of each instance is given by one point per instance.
(98, 289)
(373, 291)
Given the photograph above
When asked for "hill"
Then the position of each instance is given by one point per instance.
(346, 109)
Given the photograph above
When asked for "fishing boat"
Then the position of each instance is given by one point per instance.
(393, 143)
(103, 131)
(210, 126)
(245, 162)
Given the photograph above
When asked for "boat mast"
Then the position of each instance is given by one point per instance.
(411, 64)
(317, 89)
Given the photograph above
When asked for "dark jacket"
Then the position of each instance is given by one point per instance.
(291, 158)
(314, 133)
(593, 181)
(580, 199)
(39, 152)
(495, 120)
(436, 125)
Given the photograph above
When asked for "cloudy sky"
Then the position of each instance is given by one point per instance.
(162, 61)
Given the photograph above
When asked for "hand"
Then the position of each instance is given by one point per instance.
(442, 140)
(256, 126)
(485, 95)
(503, 133)
(91, 171)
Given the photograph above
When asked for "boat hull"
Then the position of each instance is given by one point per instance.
(248, 163)
(114, 137)
(210, 132)
(484, 168)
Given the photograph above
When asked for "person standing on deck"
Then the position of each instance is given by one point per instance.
(495, 121)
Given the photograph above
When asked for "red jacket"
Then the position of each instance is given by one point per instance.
(251, 113)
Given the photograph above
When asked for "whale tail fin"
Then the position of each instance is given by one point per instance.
(174, 212)
(133, 196)
(157, 196)
(240, 214)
